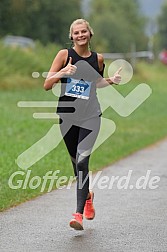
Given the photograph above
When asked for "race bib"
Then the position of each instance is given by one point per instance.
(78, 88)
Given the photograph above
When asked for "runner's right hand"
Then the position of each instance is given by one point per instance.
(69, 69)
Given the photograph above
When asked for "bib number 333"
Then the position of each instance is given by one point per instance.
(78, 88)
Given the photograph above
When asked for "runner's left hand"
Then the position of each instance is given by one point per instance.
(116, 79)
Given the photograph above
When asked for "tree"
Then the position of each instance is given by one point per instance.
(118, 25)
(162, 24)
(47, 21)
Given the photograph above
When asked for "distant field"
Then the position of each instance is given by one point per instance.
(19, 130)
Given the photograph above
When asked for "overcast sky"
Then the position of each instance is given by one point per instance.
(151, 8)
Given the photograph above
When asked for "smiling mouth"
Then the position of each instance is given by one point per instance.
(82, 39)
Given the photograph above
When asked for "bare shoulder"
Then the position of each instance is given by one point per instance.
(100, 61)
(63, 53)
(100, 58)
(61, 57)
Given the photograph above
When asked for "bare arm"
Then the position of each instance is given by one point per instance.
(103, 82)
(57, 70)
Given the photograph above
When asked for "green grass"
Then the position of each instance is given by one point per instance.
(17, 65)
(19, 130)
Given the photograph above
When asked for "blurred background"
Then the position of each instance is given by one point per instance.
(123, 29)
(119, 25)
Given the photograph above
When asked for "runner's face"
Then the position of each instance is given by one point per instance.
(81, 34)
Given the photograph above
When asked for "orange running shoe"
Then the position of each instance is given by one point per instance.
(76, 222)
(89, 211)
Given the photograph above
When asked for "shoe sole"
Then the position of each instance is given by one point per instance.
(76, 225)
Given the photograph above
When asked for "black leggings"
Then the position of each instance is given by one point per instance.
(79, 139)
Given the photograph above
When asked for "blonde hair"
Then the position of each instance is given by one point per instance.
(80, 21)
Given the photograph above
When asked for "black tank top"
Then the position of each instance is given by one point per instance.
(78, 100)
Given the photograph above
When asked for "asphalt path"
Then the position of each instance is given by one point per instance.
(131, 212)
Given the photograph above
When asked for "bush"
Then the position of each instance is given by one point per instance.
(17, 64)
